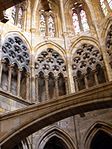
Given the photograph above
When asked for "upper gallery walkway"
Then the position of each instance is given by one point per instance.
(19, 124)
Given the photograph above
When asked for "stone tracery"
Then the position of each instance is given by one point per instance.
(87, 65)
(15, 58)
(51, 70)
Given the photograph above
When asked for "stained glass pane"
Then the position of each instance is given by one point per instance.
(110, 3)
(76, 23)
(103, 6)
(42, 25)
(84, 20)
(51, 26)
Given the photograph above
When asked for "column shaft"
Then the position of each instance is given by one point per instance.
(9, 78)
(1, 68)
(18, 82)
(27, 87)
(56, 87)
(46, 88)
(36, 89)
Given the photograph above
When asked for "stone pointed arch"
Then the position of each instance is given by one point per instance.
(91, 132)
(55, 131)
(81, 40)
(16, 47)
(49, 44)
(25, 39)
(105, 28)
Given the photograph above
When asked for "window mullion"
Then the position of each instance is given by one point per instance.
(47, 32)
(107, 6)
(80, 22)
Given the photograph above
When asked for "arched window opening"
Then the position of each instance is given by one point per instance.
(54, 84)
(75, 23)
(61, 85)
(103, 6)
(4, 78)
(51, 26)
(10, 14)
(42, 25)
(80, 80)
(55, 143)
(23, 84)
(51, 85)
(110, 3)
(100, 74)
(85, 72)
(41, 87)
(16, 51)
(47, 24)
(101, 140)
(15, 14)
(90, 77)
(14, 79)
(84, 20)
(79, 18)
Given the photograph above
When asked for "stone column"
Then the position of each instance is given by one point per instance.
(96, 78)
(62, 16)
(76, 84)
(86, 81)
(32, 88)
(1, 69)
(70, 73)
(46, 87)
(36, 88)
(27, 86)
(66, 85)
(47, 30)
(10, 77)
(105, 73)
(19, 81)
(56, 87)
(64, 32)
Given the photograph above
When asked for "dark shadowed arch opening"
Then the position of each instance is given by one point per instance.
(81, 81)
(101, 140)
(55, 143)
(61, 85)
(90, 77)
(14, 79)
(19, 146)
(51, 85)
(41, 87)
(100, 74)
(4, 77)
(23, 85)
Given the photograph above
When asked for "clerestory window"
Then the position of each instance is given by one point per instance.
(106, 5)
(47, 24)
(79, 19)
(15, 15)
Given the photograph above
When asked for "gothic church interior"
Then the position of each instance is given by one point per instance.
(51, 50)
